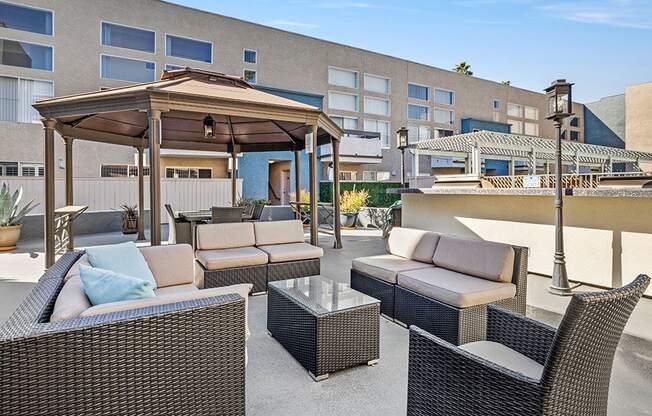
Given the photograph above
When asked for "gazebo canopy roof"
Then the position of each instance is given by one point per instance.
(246, 119)
(503, 145)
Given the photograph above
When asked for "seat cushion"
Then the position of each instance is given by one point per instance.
(386, 266)
(124, 258)
(278, 232)
(231, 257)
(176, 290)
(453, 288)
(505, 357)
(71, 302)
(412, 244)
(74, 270)
(290, 252)
(226, 235)
(171, 265)
(485, 259)
(106, 286)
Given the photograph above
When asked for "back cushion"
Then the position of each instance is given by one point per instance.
(412, 244)
(486, 259)
(278, 232)
(171, 265)
(226, 235)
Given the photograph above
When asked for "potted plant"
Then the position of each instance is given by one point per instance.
(129, 219)
(11, 215)
(350, 205)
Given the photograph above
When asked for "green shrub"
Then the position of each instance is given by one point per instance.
(353, 200)
(378, 197)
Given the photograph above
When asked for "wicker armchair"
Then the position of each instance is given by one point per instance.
(185, 358)
(574, 362)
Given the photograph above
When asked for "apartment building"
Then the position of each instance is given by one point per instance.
(54, 48)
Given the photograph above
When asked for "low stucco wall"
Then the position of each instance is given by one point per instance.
(608, 241)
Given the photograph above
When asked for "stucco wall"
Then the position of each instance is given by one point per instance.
(638, 101)
(603, 246)
(605, 121)
(218, 165)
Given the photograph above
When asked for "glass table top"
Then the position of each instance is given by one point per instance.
(321, 295)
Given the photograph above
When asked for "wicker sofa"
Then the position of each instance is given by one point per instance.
(255, 253)
(180, 353)
(443, 283)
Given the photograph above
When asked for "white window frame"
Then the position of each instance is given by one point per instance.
(452, 112)
(131, 27)
(389, 131)
(389, 83)
(493, 104)
(197, 168)
(125, 57)
(2, 37)
(357, 77)
(353, 175)
(419, 100)
(348, 117)
(189, 38)
(35, 165)
(434, 96)
(42, 9)
(250, 70)
(536, 109)
(178, 66)
(244, 52)
(536, 133)
(389, 105)
(430, 115)
(510, 121)
(375, 174)
(29, 79)
(520, 115)
(357, 110)
(418, 128)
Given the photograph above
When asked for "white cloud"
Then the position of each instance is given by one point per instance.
(635, 14)
(293, 24)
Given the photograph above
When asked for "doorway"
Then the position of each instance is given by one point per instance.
(279, 182)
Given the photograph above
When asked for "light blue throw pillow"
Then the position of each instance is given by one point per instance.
(122, 258)
(106, 286)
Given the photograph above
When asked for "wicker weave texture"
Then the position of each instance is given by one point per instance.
(292, 269)
(375, 288)
(255, 275)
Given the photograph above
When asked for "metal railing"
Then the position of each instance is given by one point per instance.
(570, 180)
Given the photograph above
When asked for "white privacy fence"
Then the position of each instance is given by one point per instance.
(107, 194)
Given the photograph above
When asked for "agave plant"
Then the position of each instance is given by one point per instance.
(10, 211)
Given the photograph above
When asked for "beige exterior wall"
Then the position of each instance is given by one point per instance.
(77, 50)
(603, 246)
(219, 166)
(638, 119)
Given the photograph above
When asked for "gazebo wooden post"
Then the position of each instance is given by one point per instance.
(141, 195)
(335, 142)
(49, 191)
(314, 212)
(69, 188)
(297, 181)
(155, 137)
(234, 179)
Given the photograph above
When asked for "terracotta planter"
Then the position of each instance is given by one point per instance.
(9, 236)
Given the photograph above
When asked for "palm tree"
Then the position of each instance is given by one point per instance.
(463, 68)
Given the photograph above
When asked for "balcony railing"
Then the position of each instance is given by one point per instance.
(583, 180)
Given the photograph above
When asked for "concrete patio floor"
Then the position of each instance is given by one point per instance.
(278, 385)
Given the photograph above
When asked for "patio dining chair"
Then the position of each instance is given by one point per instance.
(525, 367)
(179, 231)
(226, 214)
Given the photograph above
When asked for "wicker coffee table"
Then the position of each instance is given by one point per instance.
(326, 326)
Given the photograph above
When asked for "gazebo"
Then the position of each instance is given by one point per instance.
(186, 109)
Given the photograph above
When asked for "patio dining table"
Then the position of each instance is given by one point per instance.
(201, 216)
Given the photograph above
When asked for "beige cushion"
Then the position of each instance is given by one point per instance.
(231, 257)
(74, 270)
(290, 252)
(227, 235)
(278, 232)
(171, 265)
(386, 266)
(505, 357)
(412, 244)
(486, 259)
(71, 302)
(176, 290)
(456, 289)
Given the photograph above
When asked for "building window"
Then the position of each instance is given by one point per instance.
(496, 104)
(418, 92)
(531, 113)
(375, 83)
(250, 56)
(517, 126)
(188, 173)
(125, 69)
(346, 123)
(418, 112)
(128, 37)
(444, 116)
(531, 129)
(347, 175)
(444, 97)
(28, 19)
(196, 50)
(25, 55)
(373, 176)
(379, 126)
(376, 106)
(122, 171)
(575, 122)
(418, 133)
(8, 168)
(249, 75)
(32, 169)
(170, 67)
(17, 96)
(575, 135)
(341, 101)
(443, 133)
(342, 77)
(514, 110)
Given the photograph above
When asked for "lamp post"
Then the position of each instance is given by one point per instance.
(402, 144)
(560, 106)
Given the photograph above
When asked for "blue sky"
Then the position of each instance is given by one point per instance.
(601, 45)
